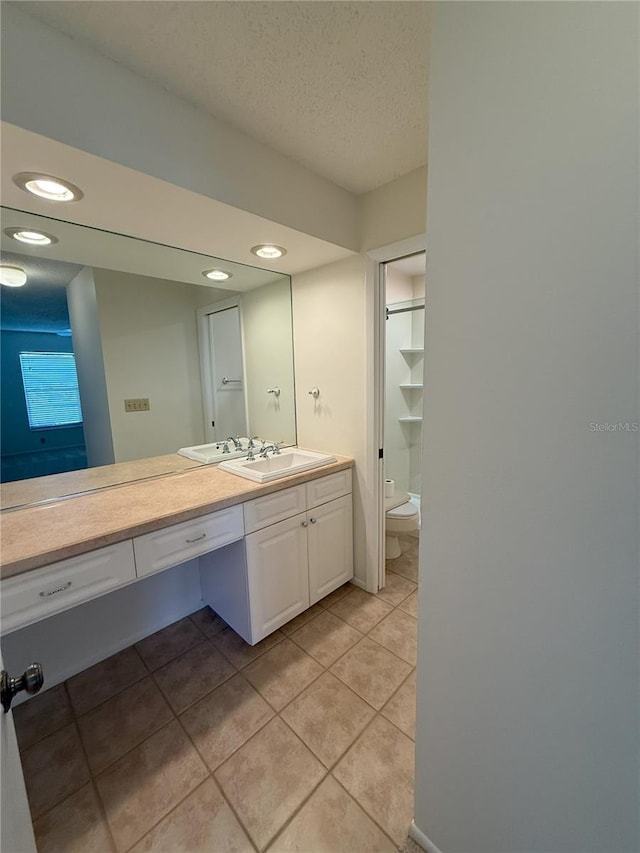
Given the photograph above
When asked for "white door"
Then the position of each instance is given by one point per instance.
(278, 576)
(227, 373)
(330, 547)
(16, 831)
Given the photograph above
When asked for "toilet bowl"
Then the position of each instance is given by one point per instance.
(404, 518)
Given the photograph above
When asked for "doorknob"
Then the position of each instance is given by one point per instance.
(31, 680)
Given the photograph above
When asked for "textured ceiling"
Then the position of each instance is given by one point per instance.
(41, 305)
(340, 87)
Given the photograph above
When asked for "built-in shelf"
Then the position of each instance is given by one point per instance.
(412, 350)
(411, 419)
(411, 386)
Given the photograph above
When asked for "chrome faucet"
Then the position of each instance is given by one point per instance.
(236, 441)
(264, 450)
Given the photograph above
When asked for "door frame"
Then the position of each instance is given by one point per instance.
(374, 397)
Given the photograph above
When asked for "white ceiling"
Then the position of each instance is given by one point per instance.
(340, 87)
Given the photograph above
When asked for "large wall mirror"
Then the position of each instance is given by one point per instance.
(107, 325)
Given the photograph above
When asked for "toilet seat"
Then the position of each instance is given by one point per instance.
(405, 510)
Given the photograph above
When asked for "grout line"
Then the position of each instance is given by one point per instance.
(92, 782)
(371, 818)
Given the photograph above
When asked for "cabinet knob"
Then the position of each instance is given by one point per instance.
(313, 520)
(31, 680)
(305, 523)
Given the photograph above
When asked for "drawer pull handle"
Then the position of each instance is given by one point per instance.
(56, 591)
(197, 539)
(313, 520)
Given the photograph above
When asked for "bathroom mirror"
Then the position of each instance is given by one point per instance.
(165, 357)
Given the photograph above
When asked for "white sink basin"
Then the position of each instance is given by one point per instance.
(214, 452)
(283, 464)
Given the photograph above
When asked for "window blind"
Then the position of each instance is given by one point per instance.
(50, 389)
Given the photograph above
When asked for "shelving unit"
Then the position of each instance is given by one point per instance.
(411, 354)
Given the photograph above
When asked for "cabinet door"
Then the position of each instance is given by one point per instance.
(278, 576)
(330, 547)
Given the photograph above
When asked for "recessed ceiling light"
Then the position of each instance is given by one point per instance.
(46, 186)
(28, 235)
(12, 276)
(269, 251)
(217, 275)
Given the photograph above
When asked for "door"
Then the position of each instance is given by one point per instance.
(222, 370)
(278, 576)
(16, 831)
(330, 547)
(228, 373)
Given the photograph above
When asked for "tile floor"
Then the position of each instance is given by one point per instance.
(191, 740)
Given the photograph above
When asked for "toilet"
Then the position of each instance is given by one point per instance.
(401, 516)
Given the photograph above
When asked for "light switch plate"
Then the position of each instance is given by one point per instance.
(138, 404)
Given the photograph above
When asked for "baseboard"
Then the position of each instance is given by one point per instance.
(358, 582)
(421, 839)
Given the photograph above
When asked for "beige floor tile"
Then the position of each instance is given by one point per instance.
(225, 719)
(95, 685)
(148, 782)
(371, 671)
(396, 589)
(398, 632)
(410, 605)
(361, 610)
(41, 715)
(74, 826)
(328, 717)
(326, 637)
(167, 644)
(54, 768)
(268, 778)
(234, 648)
(191, 676)
(332, 821)
(208, 621)
(401, 708)
(282, 672)
(406, 565)
(336, 595)
(123, 722)
(304, 617)
(378, 771)
(202, 823)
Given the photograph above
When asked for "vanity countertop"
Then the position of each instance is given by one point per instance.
(21, 492)
(35, 536)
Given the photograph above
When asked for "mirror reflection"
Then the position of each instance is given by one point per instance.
(117, 349)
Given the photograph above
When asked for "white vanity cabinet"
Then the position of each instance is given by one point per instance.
(298, 548)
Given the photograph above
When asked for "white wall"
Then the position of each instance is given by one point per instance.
(150, 344)
(528, 639)
(393, 211)
(85, 330)
(329, 344)
(267, 331)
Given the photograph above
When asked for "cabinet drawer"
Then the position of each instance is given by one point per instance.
(328, 488)
(261, 512)
(52, 589)
(180, 542)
